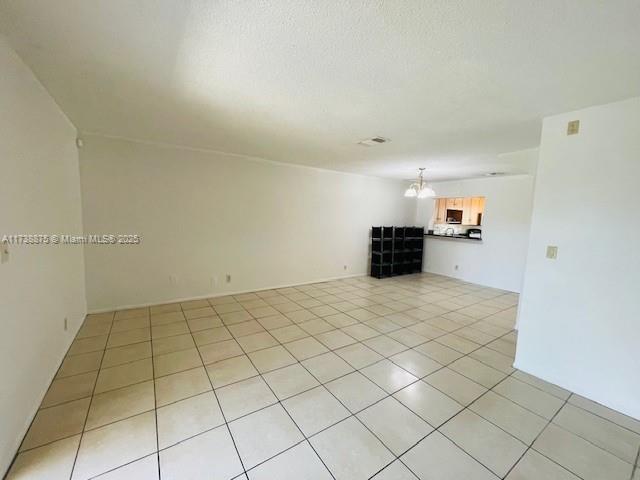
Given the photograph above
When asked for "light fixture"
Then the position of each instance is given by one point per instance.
(420, 189)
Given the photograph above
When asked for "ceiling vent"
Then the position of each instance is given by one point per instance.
(370, 142)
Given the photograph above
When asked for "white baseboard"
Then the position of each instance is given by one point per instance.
(18, 441)
(224, 294)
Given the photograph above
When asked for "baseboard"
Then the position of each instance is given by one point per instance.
(589, 395)
(29, 422)
(463, 279)
(224, 294)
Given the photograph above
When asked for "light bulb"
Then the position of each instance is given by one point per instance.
(426, 192)
(410, 192)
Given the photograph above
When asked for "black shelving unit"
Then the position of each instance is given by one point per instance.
(396, 250)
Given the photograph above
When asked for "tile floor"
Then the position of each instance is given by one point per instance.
(392, 379)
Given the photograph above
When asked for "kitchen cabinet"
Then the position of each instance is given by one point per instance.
(454, 203)
(477, 209)
(441, 210)
(472, 209)
(467, 215)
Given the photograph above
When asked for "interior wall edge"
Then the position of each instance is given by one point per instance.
(40, 398)
(223, 294)
(575, 388)
(39, 158)
(243, 156)
(585, 294)
(463, 278)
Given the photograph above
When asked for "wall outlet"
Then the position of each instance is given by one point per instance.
(344, 267)
(228, 278)
(214, 280)
(66, 324)
(456, 267)
(173, 280)
(552, 252)
(573, 127)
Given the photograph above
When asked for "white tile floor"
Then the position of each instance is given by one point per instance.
(391, 379)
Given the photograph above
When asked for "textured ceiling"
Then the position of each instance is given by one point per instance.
(451, 83)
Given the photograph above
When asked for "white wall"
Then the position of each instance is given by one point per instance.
(205, 214)
(500, 259)
(580, 314)
(39, 285)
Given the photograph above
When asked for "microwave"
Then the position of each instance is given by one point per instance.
(454, 216)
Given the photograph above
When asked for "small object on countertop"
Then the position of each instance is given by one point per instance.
(474, 233)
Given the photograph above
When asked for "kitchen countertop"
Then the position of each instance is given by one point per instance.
(453, 237)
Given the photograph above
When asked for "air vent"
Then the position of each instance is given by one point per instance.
(369, 142)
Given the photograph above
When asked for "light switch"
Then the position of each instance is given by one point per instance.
(4, 252)
(573, 127)
(552, 252)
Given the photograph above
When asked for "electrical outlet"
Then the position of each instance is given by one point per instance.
(228, 278)
(4, 252)
(552, 252)
(214, 281)
(344, 267)
(573, 127)
(456, 267)
(66, 324)
(173, 280)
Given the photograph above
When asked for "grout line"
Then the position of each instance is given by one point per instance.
(102, 474)
(378, 361)
(84, 425)
(530, 447)
(466, 407)
(331, 393)
(224, 417)
(485, 419)
(587, 440)
(155, 401)
(604, 418)
(406, 348)
(396, 457)
(417, 291)
(279, 402)
(356, 341)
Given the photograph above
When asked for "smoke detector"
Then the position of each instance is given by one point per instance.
(370, 142)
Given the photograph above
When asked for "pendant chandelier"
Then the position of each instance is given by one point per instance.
(420, 189)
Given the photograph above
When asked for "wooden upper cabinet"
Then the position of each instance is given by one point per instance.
(467, 212)
(440, 210)
(471, 208)
(477, 207)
